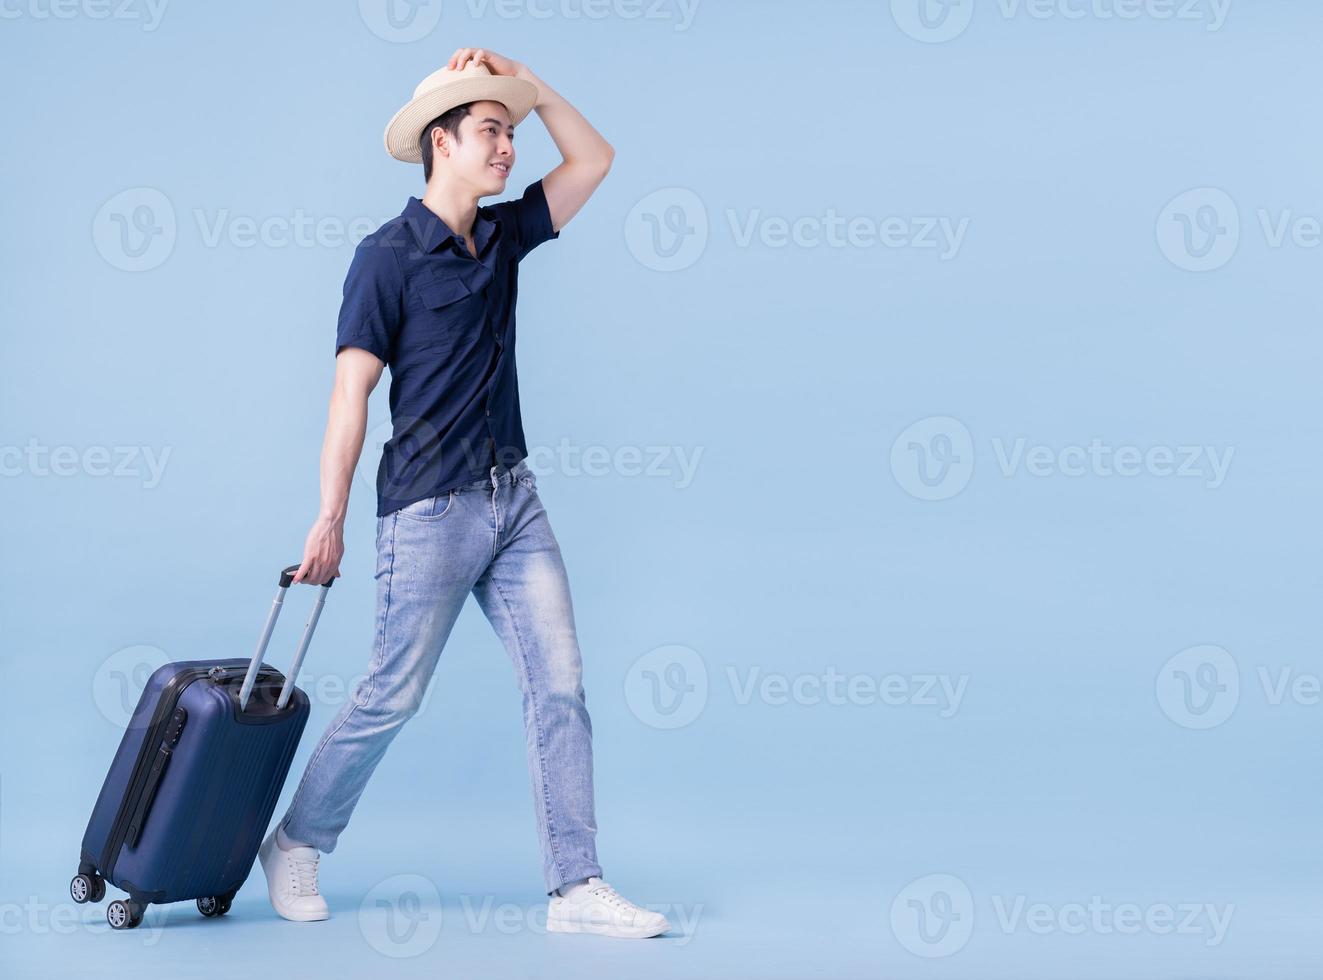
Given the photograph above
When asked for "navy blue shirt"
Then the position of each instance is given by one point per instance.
(444, 322)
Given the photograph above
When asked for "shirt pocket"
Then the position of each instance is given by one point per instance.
(445, 314)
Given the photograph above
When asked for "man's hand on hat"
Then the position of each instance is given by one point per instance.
(497, 64)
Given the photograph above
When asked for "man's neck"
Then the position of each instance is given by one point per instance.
(454, 205)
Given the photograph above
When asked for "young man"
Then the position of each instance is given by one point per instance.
(432, 294)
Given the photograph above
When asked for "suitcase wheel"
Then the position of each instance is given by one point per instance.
(213, 905)
(87, 888)
(124, 915)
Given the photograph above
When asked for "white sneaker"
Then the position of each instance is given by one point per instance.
(291, 881)
(598, 908)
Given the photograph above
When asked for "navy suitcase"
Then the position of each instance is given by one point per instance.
(193, 785)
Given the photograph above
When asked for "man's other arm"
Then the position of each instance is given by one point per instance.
(356, 374)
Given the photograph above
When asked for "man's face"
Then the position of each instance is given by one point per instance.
(485, 156)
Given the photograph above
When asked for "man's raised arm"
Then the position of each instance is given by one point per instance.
(587, 155)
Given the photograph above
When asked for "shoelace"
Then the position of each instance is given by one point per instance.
(303, 875)
(605, 893)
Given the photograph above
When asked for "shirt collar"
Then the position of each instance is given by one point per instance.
(431, 232)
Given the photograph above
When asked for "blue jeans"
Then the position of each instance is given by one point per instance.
(491, 538)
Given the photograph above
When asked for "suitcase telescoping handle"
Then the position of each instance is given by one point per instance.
(286, 580)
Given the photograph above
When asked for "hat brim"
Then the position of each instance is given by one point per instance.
(406, 126)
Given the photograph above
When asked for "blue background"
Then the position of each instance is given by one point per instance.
(790, 836)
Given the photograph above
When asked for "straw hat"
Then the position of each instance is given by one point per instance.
(443, 90)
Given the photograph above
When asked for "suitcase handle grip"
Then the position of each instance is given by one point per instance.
(286, 580)
(287, 577)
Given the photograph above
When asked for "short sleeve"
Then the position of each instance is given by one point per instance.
(372, 308)
(527, 220)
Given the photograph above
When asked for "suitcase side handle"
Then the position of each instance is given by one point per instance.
(286, 580)
(163, 754)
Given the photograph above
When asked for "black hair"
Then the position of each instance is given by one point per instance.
(449, 121)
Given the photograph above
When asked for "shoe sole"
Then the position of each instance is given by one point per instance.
(300, 916)
(292, 916)
(594, 929)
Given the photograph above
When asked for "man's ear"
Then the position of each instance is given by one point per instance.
(440, 142)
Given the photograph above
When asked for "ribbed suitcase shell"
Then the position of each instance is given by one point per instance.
(216, 793)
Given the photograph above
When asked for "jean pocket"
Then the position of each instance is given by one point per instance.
(430, 508)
